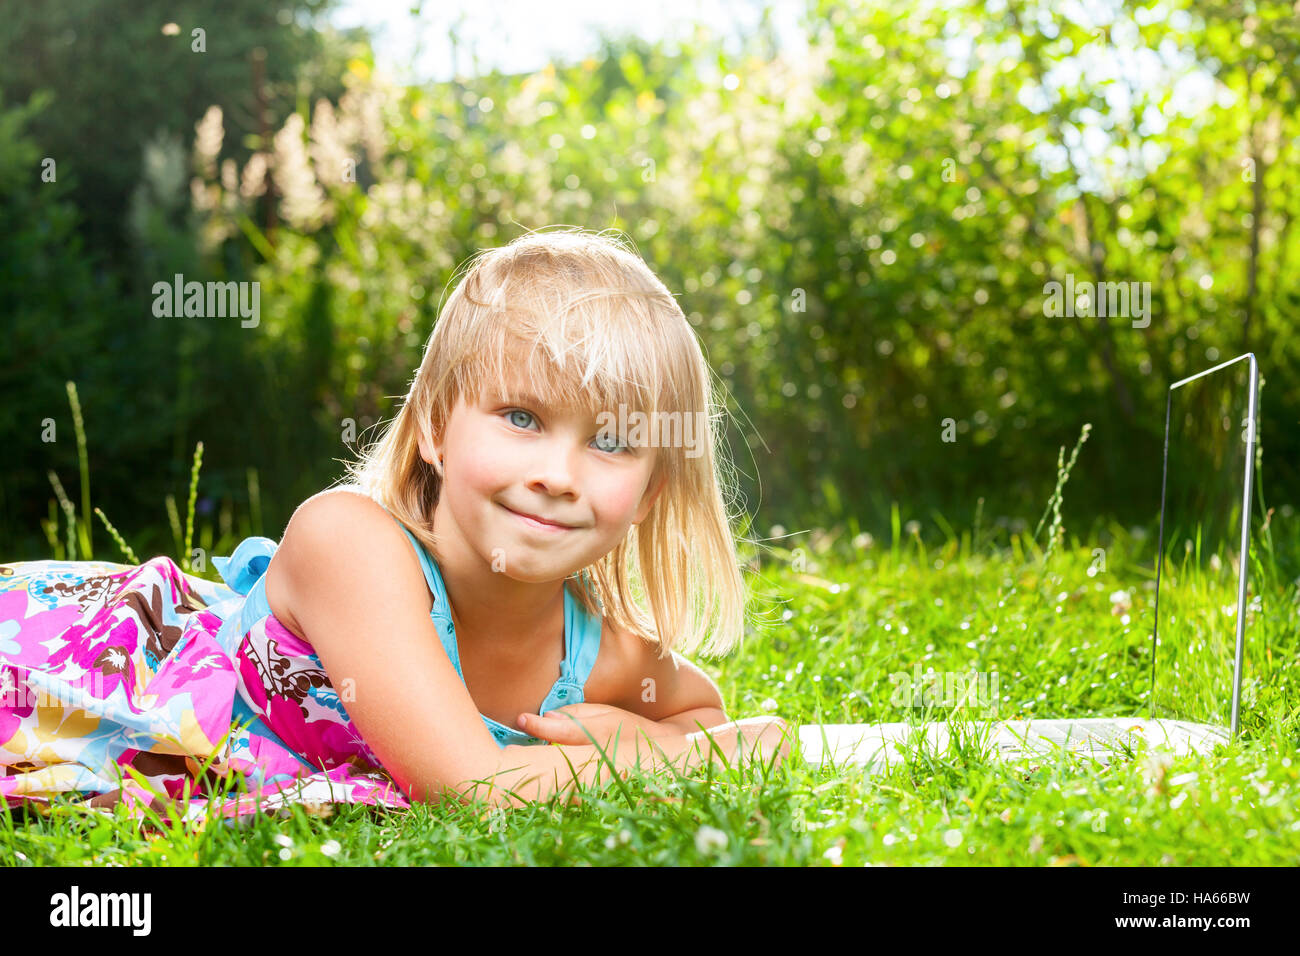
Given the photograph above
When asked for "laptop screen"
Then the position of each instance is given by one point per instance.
(1200, 637)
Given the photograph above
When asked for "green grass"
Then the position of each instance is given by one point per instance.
(1066, 630)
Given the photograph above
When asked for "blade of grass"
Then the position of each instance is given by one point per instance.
(174, 520)
(84, 526)
(1063, 470)
(67, 510)
(189, 510)
(51, 529)
(126, 548)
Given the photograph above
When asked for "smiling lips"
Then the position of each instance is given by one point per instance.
(539, 523)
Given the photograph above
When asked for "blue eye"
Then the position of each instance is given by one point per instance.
(616, 446)
(615, 450)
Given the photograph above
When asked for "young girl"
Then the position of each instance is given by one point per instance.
(553, 460)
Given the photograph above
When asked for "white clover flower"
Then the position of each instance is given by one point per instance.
(708, 839)
(1155, 767)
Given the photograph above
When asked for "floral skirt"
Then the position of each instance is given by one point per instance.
(146, 686)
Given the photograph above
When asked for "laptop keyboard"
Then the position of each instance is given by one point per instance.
(1094, 737)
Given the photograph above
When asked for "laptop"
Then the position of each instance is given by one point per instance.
(1199, 659)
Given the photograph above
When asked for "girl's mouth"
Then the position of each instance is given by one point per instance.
(539, 524)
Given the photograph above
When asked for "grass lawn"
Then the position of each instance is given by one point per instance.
(833, 621)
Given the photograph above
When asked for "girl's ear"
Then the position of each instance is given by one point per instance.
(427, 451)
(431, 455)
(648, 500)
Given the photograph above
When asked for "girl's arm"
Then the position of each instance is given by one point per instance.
(632, 686)
(670, 691)
(572, 723)
(529, 773)
(690, 721)
(353, 583)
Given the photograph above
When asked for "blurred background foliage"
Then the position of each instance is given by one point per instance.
(861, 238)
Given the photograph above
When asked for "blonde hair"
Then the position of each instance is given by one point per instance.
(601, 331)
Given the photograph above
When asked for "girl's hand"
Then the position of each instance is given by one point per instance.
(603, 721)
(766, 736)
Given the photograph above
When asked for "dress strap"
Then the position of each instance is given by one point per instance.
(441, 610)
(583, 640)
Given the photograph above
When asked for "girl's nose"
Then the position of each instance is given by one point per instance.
(552, 469)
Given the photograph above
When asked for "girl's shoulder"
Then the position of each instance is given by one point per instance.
(336, 525)
(340, 516)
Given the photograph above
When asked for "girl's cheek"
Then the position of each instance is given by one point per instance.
(478, 471)
(619, 503)
(490, 455)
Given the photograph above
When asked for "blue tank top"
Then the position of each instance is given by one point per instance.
(581, 645)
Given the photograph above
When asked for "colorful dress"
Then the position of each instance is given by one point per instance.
(119, 682)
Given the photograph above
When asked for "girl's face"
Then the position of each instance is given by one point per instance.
(503, 461)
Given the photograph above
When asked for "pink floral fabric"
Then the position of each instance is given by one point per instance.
(119, 682)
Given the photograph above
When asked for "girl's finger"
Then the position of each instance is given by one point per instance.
(557, 730)
(577, 710)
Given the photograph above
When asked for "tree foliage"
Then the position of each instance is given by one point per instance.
(864, 239)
